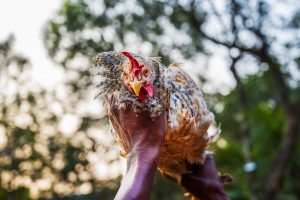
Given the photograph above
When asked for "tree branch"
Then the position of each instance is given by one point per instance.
(282, 158)
(244, 127)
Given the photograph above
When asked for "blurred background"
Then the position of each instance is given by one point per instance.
(54, 138)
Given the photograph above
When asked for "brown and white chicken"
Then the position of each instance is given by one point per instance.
(148, 84)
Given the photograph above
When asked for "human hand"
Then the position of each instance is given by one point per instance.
(142, 138)
(138, 132)
(204, 182)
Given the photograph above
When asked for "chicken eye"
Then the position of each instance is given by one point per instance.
(145, 72)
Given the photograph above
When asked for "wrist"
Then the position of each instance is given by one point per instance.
(146, 150)
(137, 181)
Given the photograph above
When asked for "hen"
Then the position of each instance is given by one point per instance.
(147, 84)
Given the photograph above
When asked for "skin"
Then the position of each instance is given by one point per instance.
(147, 136)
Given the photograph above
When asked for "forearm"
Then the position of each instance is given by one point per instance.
(143, 136)
(137, 182)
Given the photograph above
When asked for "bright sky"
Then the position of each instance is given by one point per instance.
(25, 19)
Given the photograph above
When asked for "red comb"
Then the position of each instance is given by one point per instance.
(136, 67)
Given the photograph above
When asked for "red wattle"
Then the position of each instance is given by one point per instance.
(150, 90)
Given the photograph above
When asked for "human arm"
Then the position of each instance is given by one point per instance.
(146, 136)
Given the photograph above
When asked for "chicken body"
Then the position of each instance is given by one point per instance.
(188, 120)
(187, 113)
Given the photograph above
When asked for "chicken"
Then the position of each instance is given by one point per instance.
(147, 84)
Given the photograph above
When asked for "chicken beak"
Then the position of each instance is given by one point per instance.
(136, 86)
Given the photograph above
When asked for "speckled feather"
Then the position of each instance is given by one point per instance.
(187, 113)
